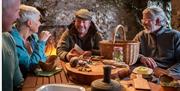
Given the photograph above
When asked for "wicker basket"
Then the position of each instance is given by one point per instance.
(130, 50)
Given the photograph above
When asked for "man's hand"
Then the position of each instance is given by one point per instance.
(149, 62)
(72, 53)
(87, 53)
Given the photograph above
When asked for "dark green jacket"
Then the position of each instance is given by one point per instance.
(88, 43)
(11, 74)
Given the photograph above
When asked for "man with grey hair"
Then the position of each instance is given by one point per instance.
(11, 76)
(159, 45)
(30, 47)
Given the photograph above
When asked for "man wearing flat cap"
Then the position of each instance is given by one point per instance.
(82, 33)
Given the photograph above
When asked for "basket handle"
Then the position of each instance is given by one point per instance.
(119, 28)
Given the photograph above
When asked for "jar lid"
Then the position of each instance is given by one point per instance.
(118, 48)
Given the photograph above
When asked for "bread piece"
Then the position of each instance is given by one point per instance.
(143, 70)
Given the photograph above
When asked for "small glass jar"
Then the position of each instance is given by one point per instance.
(118, 54)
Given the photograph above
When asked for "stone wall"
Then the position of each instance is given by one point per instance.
(176, 14)
(107, 14)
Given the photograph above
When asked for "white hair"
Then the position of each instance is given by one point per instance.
(27, 13)
(156, 11)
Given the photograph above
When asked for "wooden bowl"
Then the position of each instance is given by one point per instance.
(50, 64)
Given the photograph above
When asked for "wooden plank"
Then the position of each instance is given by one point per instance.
(63, 66)
(38, 86)
(39, 81)
(28, 89)
(45, 80)
(64, 73)
(30, 81)
(141, 83)
(52, 79)
(58, 78)
(63, 77)
(129, 85)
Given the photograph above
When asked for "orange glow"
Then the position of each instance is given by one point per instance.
(50, 50)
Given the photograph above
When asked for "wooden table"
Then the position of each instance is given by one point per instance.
(33, 82)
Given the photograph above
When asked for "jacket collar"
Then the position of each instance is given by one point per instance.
(160, 31)
(17, 37)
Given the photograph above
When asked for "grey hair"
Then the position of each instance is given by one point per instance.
(156, 11)
(27, 13)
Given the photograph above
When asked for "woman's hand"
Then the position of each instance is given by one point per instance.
(44, 35)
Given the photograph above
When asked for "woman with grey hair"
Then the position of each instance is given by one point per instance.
(159, 45)
(29, 53)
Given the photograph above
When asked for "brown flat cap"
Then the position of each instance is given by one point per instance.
(83, 14)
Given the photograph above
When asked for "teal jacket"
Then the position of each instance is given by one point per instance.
(11, 74)
(28, 61)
